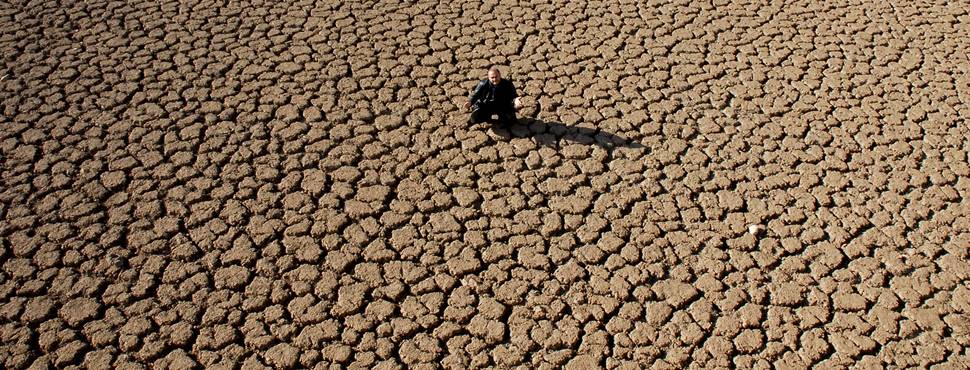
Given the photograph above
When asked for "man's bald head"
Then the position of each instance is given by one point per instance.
(494, 75)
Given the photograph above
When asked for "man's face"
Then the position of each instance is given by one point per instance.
(494, 77)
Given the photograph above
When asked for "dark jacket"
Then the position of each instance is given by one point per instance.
(504, 95)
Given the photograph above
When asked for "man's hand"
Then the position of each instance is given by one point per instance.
(468, 104)
(517, 103)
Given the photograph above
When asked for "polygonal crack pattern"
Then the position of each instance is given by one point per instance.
(294, 185)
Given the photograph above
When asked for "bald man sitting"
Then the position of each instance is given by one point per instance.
(494, 95)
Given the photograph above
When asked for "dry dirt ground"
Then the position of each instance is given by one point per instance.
(229, 184)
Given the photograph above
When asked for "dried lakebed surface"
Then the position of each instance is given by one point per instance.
(293, 184)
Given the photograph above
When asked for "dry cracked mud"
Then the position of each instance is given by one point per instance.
(293, 184)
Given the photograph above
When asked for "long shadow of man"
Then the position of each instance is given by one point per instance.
(552, 134)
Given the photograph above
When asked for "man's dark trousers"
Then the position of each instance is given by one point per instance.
(484, 112)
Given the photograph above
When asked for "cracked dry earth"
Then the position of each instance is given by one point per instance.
(261, 184)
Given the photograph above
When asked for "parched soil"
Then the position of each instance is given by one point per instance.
(225, 184)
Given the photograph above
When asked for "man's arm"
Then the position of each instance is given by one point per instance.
(476, 94)
(516, 102)
(515, 94)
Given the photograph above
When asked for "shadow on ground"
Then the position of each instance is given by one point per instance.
(557, 134)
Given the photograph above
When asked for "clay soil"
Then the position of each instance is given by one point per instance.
(225, 184)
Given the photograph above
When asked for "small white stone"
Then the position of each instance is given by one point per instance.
(755, 229)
